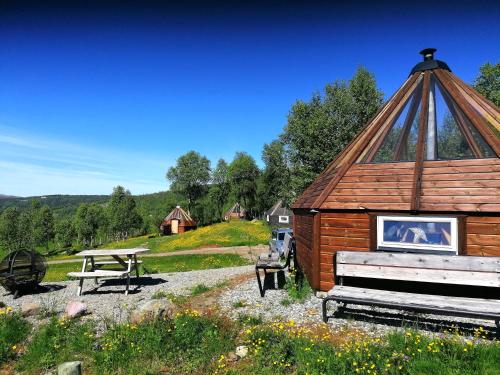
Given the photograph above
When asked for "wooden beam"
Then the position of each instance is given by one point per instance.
(478, 121)
(419, 153)
(484, 103)
(316, 248)
(360, 145)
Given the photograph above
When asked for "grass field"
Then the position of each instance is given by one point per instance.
(196, 343)
(174, 263)
(234, 233)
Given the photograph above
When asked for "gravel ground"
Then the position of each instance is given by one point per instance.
(108, 302)
(372, 320)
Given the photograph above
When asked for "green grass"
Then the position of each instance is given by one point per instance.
(283, 348)
(174, 263)
(194, 343)
(234, 233)
(189, 343)
(13, 330)
(297, 292)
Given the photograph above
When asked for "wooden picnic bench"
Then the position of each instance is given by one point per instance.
(274, 262)
(471, 271)
(125, 266)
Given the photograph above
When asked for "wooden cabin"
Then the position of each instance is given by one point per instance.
(422, 176)
(178, 221)
(279, 215)
(237, 212)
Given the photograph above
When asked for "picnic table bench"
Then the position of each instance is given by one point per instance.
(472, 271)
(273, 261)
(124, 259)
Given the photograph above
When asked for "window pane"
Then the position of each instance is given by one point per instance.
(417, 232)
(400, 143)
(456, 137)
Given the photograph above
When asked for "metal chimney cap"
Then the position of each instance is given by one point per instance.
(428, 53)
(429, 63)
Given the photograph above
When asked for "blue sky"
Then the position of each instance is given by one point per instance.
(96, 96)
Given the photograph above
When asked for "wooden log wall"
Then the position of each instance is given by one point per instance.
(340, 231)
(303, 233)
(384, 186)
(461, 185)
(483, 235)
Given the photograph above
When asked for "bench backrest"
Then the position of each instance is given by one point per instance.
(458, 270)
(287, 244)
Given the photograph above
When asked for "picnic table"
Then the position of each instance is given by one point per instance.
(124, 260)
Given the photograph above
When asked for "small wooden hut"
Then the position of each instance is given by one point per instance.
(279, 215)
(422, 176)
(237, 212)
(178, 221)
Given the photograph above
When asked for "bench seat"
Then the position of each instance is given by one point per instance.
(448, 305)
(98, 273)
(112, 262)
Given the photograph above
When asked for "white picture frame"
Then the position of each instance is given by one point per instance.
(283, 219)
(383, 244)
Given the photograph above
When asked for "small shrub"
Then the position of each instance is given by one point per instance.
(159, 294)
(298, 291)
(199, 289)
(286, 302)
(13, 330)
(239, 304)
(250, 320)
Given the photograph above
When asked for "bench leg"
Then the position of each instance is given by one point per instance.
(92, 263)
(259, 281)
(324, 306)
(80, 286)
(136, 266)
(128, 284)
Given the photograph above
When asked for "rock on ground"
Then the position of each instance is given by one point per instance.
(156, 308)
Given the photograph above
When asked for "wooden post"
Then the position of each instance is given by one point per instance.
(316, 249)
(419, 153)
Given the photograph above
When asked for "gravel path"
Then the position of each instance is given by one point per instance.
(108, 302)
(372, 320)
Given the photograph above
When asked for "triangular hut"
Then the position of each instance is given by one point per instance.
(279, 215)
(237, 212)
(177, 221)
(422, 176)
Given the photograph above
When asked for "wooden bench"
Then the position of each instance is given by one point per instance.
(274, 263)
(440, 269)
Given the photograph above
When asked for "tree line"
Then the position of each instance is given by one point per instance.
(92, 224)
(315, 132)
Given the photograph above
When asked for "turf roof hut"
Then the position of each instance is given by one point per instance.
(237, 212)
(422, 176)
(177, 221)
(279, 215)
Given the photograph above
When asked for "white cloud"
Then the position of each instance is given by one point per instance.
(35, 165)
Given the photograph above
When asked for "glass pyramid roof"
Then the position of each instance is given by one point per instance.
(444, 130)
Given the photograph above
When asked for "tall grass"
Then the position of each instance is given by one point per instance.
(233, 233)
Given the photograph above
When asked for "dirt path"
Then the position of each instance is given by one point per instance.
(247, 251)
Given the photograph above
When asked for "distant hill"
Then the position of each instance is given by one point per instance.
(61, 204)
(156, 204)
(3, 196)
